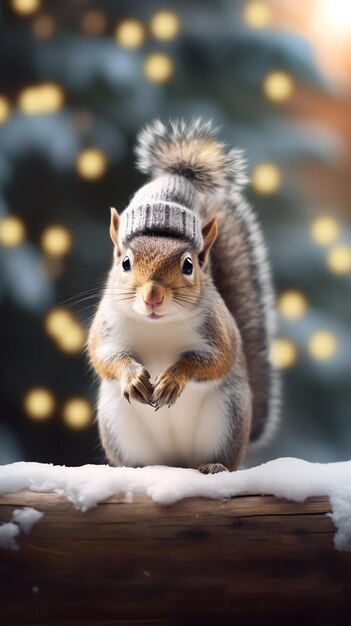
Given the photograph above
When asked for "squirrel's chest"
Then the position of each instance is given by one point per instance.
(189, 432)
(159, 345)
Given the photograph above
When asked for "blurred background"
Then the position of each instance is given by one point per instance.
(78, 79)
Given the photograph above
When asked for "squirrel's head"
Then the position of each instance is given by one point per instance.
(159, 277)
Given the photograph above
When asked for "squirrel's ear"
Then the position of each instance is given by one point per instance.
(209, 234)
(114, 229)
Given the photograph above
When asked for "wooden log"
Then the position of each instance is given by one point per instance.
(254, 558)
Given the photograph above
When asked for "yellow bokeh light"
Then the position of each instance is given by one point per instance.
(278, 86)
(93, 23)
(61, 325)
(292, 304)
(72, 340)
(339, 259)
(77, 413)
(130, 34)
(12, 231)
(283, 353)
(165, 25)
(158, 67)
(25, 7)
(324, 230)
(4, 109)
(39, 403)
(45, 98)
(43, 26)
(322, 345)
(257, 14)
(266, 178)
(58, 321)
(56, 240)
(91, 164)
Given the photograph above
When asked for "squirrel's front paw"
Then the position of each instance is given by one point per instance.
(167, 388)
(136, 385)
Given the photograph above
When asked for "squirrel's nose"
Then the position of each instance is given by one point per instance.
(152, 294)
(153, 301)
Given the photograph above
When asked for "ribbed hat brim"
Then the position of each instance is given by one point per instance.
(164, 206)
(162, 218)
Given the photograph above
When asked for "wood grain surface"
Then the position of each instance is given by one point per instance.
(258, 559)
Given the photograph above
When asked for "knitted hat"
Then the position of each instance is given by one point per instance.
(165, 206)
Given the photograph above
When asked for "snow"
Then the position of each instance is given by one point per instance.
(26, 518)
(8, 532)
(23, 519)
(289, 478)
(341, 516)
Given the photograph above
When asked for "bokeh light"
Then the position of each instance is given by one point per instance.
(324, 230)
(12, 231)
(322, 345)
(158, 67)
(283, 353)
(165, 25)
(339, 259)
(68, 334)
(93, 23)
(43, 26)
(39, 403)
(25, 7)
(72, 340)
(91, 164)
(40, 99)
(266, 178)
(278, 86)
(57, 321)
(130, 34)
(257, 14)
(77, 413)
(292, 304)
(334, 17)
(4, 109)
(56, 240)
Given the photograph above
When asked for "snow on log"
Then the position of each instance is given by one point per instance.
(198, 561)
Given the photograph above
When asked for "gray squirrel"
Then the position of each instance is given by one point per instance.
(182, 334)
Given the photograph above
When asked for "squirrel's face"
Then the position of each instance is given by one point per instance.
(159, 278)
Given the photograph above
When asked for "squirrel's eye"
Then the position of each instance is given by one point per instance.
(126, 264)
(187, 266)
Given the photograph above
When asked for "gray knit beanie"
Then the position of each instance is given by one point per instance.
(165, 206)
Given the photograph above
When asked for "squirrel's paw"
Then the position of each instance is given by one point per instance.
(136, 385)
(167, 388)
(212, 468)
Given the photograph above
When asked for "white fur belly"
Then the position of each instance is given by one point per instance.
(191, 432)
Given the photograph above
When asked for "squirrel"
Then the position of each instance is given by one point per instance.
(182, 334)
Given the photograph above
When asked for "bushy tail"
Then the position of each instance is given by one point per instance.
(193, 151)
(240, 267)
